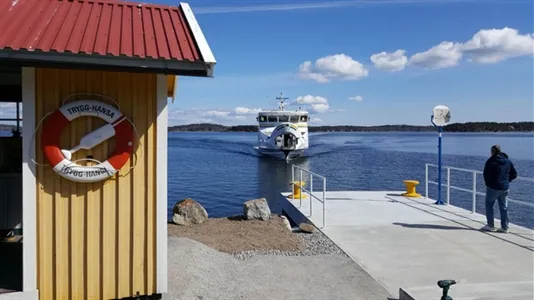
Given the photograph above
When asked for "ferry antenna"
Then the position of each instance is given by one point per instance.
(282, 99)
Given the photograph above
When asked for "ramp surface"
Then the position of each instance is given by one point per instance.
(410, 244)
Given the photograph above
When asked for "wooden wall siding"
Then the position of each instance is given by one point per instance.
(98, 240)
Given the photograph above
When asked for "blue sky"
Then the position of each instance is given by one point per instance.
(363, 62)
(259, 48)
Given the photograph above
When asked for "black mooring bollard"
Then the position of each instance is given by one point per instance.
(445, 285)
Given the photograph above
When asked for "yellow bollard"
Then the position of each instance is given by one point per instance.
(297, 191)
(410, 189)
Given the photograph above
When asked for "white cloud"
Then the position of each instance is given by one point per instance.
(485, 47)
(316, 120)
(247, 111)
(216, 113)
(494, 45)
(444, 55)
(356, 98)
(309, 99)
(209, 115)
(338, 66)
(315, 104)
(392, 62)
(320, 108)
(299, 5)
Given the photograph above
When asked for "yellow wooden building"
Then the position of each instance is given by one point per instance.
(106, 239)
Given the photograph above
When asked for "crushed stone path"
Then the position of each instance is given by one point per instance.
(197, 271)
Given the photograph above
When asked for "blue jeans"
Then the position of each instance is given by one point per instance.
(491, 196)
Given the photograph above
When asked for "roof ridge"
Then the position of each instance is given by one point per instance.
(126, 3)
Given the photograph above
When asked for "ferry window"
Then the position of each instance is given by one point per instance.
(294, 119)
(273, 119)
(303, 118)
(263, 119)
(283, 118)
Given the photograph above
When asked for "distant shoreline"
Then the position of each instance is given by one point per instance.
(455, 127)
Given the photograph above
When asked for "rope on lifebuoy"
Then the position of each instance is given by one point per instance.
(68, 112)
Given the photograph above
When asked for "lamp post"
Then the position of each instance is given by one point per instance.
(440, 117)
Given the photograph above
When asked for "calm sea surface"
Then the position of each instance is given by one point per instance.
(222, 170)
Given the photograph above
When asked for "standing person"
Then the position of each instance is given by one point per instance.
(499, 171)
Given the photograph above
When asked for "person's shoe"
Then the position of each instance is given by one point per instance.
(503, 230)
(487, 228)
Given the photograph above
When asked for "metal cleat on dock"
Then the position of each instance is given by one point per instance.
(445, 285)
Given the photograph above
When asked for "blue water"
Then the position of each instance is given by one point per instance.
(221, 170)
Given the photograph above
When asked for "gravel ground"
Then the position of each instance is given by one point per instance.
(231, 258)
(313, 244)
(197, 271)
(249, 238)
(235, 234)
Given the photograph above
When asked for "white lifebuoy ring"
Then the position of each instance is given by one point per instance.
(117, 126)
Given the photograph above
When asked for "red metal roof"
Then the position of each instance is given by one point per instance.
(98, 28)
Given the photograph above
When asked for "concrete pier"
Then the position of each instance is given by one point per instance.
(408, 244)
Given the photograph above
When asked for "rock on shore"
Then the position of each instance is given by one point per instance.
(257, 209)
(188, 212)
(305, 227)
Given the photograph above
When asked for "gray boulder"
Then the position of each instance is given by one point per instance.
(257, 209)
(286, 223)
(304, 227)
(188, 212)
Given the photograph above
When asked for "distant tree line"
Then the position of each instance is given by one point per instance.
(490, 127)
(455, 127)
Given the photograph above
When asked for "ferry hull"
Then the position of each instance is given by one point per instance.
(281, 154)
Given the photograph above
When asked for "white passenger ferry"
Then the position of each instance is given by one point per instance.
(281, 133)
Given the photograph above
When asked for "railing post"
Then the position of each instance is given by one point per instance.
(448, 185)
(474, 192)
(300, 190)
(311, 196)
(324, 202)
(426, 181)
(292, 175)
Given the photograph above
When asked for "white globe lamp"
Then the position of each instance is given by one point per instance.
(441, 116)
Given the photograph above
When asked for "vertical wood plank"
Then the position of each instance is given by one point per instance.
(109, 205)
(124, 196)
(62, 202)
(91, 82)
(151, 185)
(77, 201)
(139, 195)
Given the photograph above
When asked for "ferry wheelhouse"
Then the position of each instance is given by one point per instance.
(281, 133)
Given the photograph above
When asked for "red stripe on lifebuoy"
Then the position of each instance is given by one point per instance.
(123, 145)
(52, 128)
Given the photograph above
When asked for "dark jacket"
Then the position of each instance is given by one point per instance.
(499, 171)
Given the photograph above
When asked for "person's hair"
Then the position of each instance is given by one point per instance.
(495, 149)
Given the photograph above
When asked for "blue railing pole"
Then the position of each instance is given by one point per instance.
(440, 130)
(440, 202)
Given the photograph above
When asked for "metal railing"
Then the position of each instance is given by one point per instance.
(447, 184)
(310, 191)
